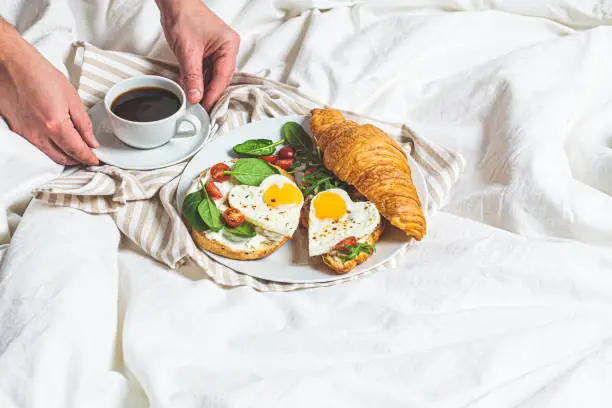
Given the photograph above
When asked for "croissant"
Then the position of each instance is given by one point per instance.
(375, 164)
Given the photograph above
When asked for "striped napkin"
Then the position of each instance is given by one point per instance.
(142, 203)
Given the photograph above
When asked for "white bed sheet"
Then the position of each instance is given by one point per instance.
(506, 303)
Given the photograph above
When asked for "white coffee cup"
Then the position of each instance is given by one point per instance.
(148, 135)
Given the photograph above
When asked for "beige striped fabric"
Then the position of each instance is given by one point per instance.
(142, 203)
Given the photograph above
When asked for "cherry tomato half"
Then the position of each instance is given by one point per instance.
(341, 246)
(217, 172)
(233, 217)
(213, 191)
(284, 164)
(270, 159)
(286, 153)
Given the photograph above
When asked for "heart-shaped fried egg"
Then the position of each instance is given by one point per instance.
(274, 205)
(334, 216)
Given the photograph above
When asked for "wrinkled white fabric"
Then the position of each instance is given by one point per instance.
(507, 303)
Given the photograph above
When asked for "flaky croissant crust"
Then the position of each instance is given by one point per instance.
(367, 158)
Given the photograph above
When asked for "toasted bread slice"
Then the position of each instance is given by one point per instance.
(304, 213)
(341, 266)
(262, 250)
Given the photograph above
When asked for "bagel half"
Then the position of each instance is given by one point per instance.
(262, 250)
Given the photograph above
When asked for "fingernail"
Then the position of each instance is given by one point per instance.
(194, 93)
(96, 144)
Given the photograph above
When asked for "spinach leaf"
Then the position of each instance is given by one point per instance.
(354, 251)
(306, 154)
(252, 171)
(297, 137)
(244, 230)
(257, 147)
(190, 211)
(209, 213)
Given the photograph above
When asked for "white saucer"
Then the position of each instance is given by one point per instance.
(115, 152)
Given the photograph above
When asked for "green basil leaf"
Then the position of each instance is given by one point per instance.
(209, 213)
(296, 137)
(244, 230)
(257, 147)
(252, 171)
(190, 211)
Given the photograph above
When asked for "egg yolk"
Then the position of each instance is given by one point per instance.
(329, 205)
(285, 195)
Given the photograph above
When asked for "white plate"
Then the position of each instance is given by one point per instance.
(113, 151)
(290, 263)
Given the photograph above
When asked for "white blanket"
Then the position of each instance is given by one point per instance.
(508, 302)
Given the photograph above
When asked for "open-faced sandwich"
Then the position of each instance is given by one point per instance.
(243, 209)
(341, 229)
(353, 179)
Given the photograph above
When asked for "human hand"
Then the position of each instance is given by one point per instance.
(205, 47)
(41, 105)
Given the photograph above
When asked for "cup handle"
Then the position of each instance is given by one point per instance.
(193, 120)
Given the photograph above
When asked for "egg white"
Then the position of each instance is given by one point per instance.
(249, 200)
(361, 220)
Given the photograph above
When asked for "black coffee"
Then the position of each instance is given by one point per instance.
(146, 104)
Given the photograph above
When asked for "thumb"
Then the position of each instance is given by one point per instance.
(191, 77)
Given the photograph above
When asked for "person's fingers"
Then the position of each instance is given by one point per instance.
(191, 75)
(51, 150)
(223, 70)
(54, 153)
(208, 70)
(82, 123)
(65, 136)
